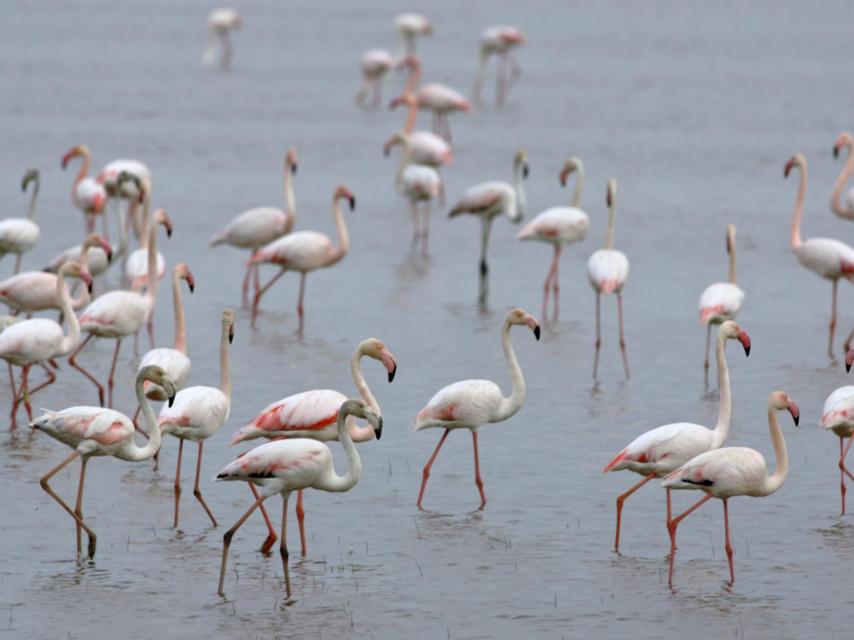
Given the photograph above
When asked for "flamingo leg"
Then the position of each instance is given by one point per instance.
(225, 63)
(622, 334)
(515, 73)
(416, 232)
(261, 292)
(550, 284)
(477, 479)
(832, 322)
(426, 473)
(378, 94)
(621, 499)
(728, 544)
(14, 397)
(447, 126)
(256, 277)
(500, 79)
(484, 267)
(672, 523)
(17, 264)
(25, 390)
(178, 481)
(51, 378)
(72, 360)
(598, 334)
(556, 282)
(843, 470)
(708, 344)
(93, 539)
(78, 507)
(301, 521)
(363, 92)
(197, 492)
(226, 540)
(300, 307)
(283, 546)
(425, 227)
(271, 535)
(111, 379)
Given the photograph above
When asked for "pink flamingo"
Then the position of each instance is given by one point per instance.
(136, 266)
(38, 340)
(838, 416)
(559, 226)
(19, 235)
(94, 431)
(312, 414)
(498, 41)
(129, 190)
(488, 200)
(285, 466)
(661, 450)
(608, 270)
(375, 64)
(469, 404)
(411, 26)
(828, 258)
(87, 193)
(221, 22)
(720, 301)
(198, 413)
(257, 227)
(732, 471)
(305, 251)
(843, 209)
(435, 97)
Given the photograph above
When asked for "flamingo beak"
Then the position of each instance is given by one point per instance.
(836, 151)
(191, 282)
(788, 168)
(168, 230)
(87, 279)
(171, 400)
(525, 170)
(67, 158)
(390, 363)
(563, 176)
(378, 428)
(532, 323)
(744, 339)
(796, 413)
(849, 360)
(108, 249)
(352, 201)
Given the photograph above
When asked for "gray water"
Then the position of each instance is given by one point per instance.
(695, 112)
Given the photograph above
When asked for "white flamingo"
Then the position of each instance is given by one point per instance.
(87, 193)
(411, 26)
(221, 22)
(498, 41)
(19, 235)
(838, 416)
(441, 99)
(843, 208)
(128, 191)
(375, 65)
(98, 255)
(136, 266)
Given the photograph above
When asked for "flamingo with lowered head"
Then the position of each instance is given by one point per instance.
(87, 193)
(663, 449)
(95, 431)
(732, 471)
(720, 301)
(285, 466)
(427, 147)
(136, 266)
(469, 404)
(127, 190)
(838, 416)
(843, 208)
(305, 251)
(488, 200)
(258, 226)
(498, 41)
(826, 257)
(312, 414)
(375, 64)
(221, 22)
(559, 226)
(438, 98)
(411, 26)
(607, 270)
(98, 255)
(19, 235)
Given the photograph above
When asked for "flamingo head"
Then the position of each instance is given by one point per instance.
(520, 316)
(161, 217)
(408, 62)
(343, 193)
(73, 152)
(360, 409)
(291, 160)
(844, 141)
(569, 167)
(74, 269)
(730, 238)
(395, 140)
(158, 376)
(228, 323)
(375, 349)
(849, 359)
(780, 401)
(611, 192)
(796, 160)
(512, 37)
(31, 175)
(407, 99)
(183, 272)
(731, 331)
(94, 240)
(521, 160)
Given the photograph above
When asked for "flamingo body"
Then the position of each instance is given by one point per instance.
(608, 270)
(557, 225)
(719, 302)
(302, 251)
(489, 199)
(34, 291)
(663, 449)
(115, 314)
(254, 228)
(93, 431)
(176, 365)
(89, 196)
(441, 98)
(136, 268)
(376, 63)
(826, 257)
(838, 412)
(109, 176)
(197, 413)
(499, 39)
(97, 261)
(18, 235)
(466, 404)
(310, 414)
(29, 341)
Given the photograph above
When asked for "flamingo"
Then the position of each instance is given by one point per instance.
(376, 64)
(305, 251)
(720, 301)
(733, 471)
(87, 193)
(198, 413)
(843, 209)
(19, 235)
(559, 226)
(95, 431)
(838, 416)
(256, 227)
(136, 266)
(417, 183)
(607, 270)
(663, 449)
(469, 404)
(38, 340)
(33, 291)
(220, 23)
(117, 315)
(410, 26)
(284, 466)
(427, 147)
(438, 98)
(490, 199)
(312, 414)
(129, 190)
(498, 41)
(98, 255)
(828, 258)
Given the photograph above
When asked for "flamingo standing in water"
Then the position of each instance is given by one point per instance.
(498, 41)
(435, 97)
(469, 404)
(136, 266)
(838, 416)
(732, 471)
(87, 193)
(97, 255)
(828, 258)
(663, 449)
(19, 235)
(38, 340)
(375, 64)
(305, 251)
(720, 301)
(607, 270)
(559, 226)
(312, 414)
(489, 200)
(411, 26)
(198, 413)
(256, 227)
(285, 466)
(128, 190)
(94, 431)
(221, 22)
(844, 209)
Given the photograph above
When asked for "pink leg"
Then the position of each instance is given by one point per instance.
(300, 307)
(197, 491)
(556, 283)
(51, 378)
(246, 280)
(25, 390)
(621, 499)
(672, 523)
(416, 230)
(832, 322)
(425, 227)
(78, 507)
(111, 379)
(72, 360)
(598, 335)
(283, 546)
(178, 481)
(500, 74)
(261, 292)
(301, 520)
(477, 479)
(843, 470)
(547, 286)
(151, 331)
(426, 473)
(226, 540)
(256, 277)
(622, 335)
(14, 424)
(706, 362)
(728, 544)
(93, 539)
(271, 533)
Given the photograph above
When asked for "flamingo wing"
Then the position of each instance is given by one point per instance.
(608, 270)
(722, 472)
(720, 301)
(308, 414)
(468, 403)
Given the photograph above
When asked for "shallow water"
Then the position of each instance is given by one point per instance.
(695, 114)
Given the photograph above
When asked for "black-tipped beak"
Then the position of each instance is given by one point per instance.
(537, 332)
(525, 170)
(352, 203)
(378, 430)
(109, 256)
(835, 152)
(192, 288)
(847, 367)
(89, 288)
(294, 168)
(391, 374)
(230, 337)
(168, 232)
(796, 413)
(171, 400)
(744, 339)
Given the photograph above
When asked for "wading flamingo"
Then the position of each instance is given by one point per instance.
(198, 413)
(435, 97)
(129, 191)
(488, 200)
(732, 471)
(417, 183)
(844, 209)
(94, 431)
(469, 404)
(284, 466)
(559, 226)
(410, 26)
(607, 270)
(828, 258)
(136, 266)
(98, 256)
(38, 340)
(663, 449)
(256, 227)
(19, 235)
(375, 64)
(720, 301)
(498, 41)
(305, 251)
(838, 416)
(221, 22)
(312, 414)
(87, 193)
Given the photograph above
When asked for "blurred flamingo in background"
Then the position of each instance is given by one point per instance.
(844, 209)
(136, 266)
(129, 191)
(95, 252)
(838, 416)
(435, 97)
(19, 235)
(375, 65)
(410, 27)
(498, 41)
(221, 22)
(87, 193)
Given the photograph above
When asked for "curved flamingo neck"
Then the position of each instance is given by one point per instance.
(31, 212)
(225, 362)
(414, 78)
(799, 209)
(151, 285)
(69, 342)
(732, 273)
(411, 115)
(405, 158)
(511, 405)
(133, 452)
(178, 310)
(839, 185)
(579, 185)
(518, 184)
(146, 219)
(364, 432)
(721, 430)
(612, 222)
(290, 199)
(343, 238)
(332, 481)
(781, 456)
(84, 165)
